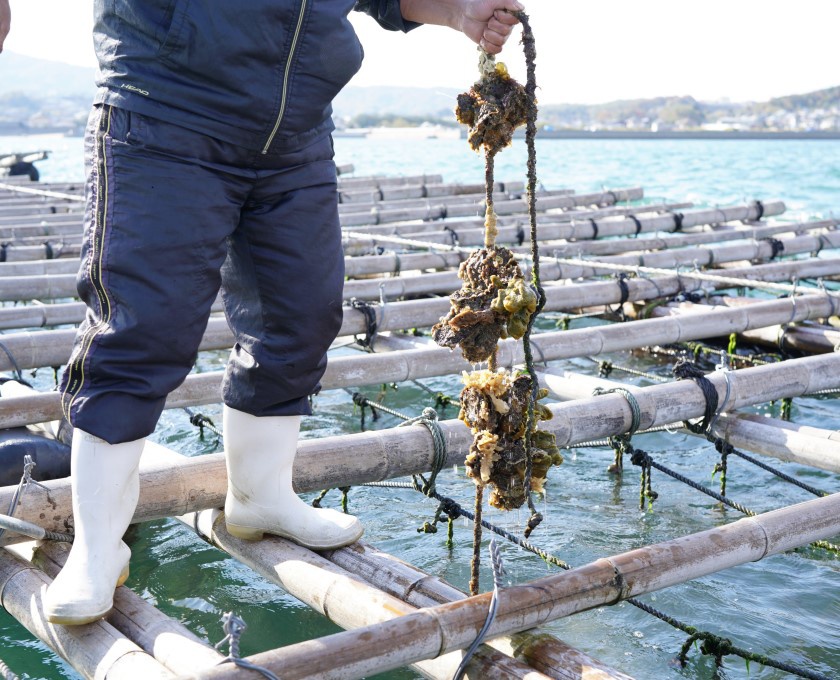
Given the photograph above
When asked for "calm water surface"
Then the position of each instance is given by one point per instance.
(787, 606)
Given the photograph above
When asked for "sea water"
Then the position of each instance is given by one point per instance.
(786, 606)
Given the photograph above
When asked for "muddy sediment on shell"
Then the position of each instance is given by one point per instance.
(494, 404)
(494, 302)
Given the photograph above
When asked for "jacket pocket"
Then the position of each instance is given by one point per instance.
(160, 21)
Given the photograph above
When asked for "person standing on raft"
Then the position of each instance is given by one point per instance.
(210, 166)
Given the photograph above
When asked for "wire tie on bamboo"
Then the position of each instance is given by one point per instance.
(383, 301)
(594, 229)
(233, 627)
(498, 575)
(25, 528)
(759, 210)
(831, 298)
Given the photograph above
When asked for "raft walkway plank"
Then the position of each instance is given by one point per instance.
(437, 630)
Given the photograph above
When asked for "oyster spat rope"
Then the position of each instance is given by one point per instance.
(496, 302)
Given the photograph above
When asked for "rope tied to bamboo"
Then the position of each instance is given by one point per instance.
(621, 280)
(368, 311)
(678, 221)
(684, 370)
(26, 528)
(777, 247)
(202, 421)
(233, 627)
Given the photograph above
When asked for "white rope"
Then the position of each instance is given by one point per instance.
(701, 276)
(42, 192)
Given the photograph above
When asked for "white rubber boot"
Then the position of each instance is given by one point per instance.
(106, 485)
(260, 453)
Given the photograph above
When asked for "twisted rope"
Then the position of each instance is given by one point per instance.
(233, 627)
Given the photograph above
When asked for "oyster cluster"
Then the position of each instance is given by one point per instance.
(494, 404)
(494, 302)
(492, 109)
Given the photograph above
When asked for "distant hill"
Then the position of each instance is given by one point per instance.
(36, 94)
(821, 99)
(680, 112)
(30, 76)
(435, 102)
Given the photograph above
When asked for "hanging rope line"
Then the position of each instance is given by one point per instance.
(498, 574)
(233, 627)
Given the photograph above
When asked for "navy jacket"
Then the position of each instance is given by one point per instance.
(258, 73)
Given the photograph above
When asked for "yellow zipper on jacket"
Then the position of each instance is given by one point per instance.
(286, 77)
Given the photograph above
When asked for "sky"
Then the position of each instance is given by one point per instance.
(588, 51)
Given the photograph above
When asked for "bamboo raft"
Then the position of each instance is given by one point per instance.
(626, 274)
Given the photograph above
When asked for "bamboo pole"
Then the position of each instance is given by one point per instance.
(376, 216)
(420, 313)
(199, 483)
(394, 262)
(167, 640)
(97, 650)
(786, 441)
(422, 190)
(613, 227)
(543, 651)
(377, 181)
(684, 240)
(776, 438)
(54, 286)
(802, 338)
(550, 217)
(351, 371)
(682, 400)
(707, 257)
(473, 200)
(343, 598)
(437, 630)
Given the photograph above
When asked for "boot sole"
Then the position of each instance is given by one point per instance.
(81, 619)
(256, 534)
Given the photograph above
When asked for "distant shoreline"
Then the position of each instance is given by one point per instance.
(411, 132)
(688, 134)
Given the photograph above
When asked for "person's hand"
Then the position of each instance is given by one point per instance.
(5, 21)
(487, 23)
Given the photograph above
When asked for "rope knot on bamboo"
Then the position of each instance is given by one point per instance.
(369, 312)
(684, 370)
